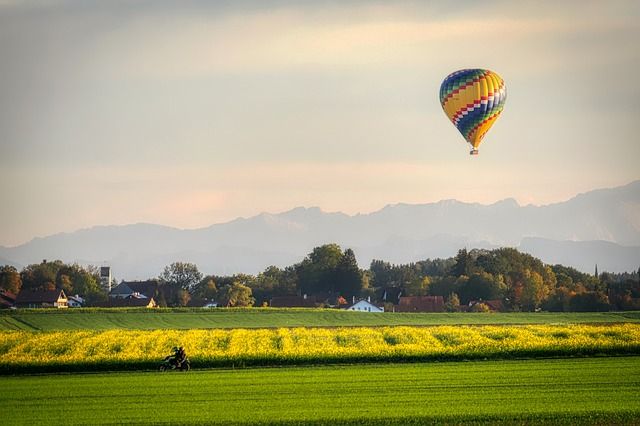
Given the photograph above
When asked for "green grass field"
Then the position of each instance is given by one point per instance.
(557, 391)
(146, 319)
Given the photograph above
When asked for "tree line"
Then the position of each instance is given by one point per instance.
(518, 280)
(73, 279)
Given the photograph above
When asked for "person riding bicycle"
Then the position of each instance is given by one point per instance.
(174, 358)
(181, 355)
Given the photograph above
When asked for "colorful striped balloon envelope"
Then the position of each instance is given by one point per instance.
(473, 100)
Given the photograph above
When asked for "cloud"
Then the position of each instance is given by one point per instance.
(191, 45)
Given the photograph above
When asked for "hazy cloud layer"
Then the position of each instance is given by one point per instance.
(189, 113)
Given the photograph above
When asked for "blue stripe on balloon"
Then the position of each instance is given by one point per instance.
(467, 122)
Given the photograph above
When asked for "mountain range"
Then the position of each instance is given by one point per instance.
(598, 227)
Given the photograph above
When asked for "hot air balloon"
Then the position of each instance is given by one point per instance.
(473, 100)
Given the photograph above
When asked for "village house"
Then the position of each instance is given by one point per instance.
(7, 299)
(389, 294)
(120, 291)
(364, 306)
(420, 304)
(130, 302)
(42, 299)
(75, 301)
(139, 289)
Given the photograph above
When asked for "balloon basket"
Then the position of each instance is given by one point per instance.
(473, 152)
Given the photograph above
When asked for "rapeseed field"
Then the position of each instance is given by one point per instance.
(120, 349)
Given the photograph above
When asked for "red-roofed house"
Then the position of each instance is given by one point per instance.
(420, 304)
(7, 299)
(41, 299)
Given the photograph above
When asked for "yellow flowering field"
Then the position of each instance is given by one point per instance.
(115, 349)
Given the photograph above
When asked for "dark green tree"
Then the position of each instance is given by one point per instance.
(10, 279)
(347, 276)
(206, 289)
(482, 286)
(417, 287)
(463, 265)
(381, 275)
(445, 286)
(41, 276)
(236, 295)
(316, 273)
(181, 275)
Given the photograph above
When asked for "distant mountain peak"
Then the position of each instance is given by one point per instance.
(507, 202)
(301, 210)
(399, 233)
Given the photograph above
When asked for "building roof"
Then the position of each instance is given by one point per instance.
(121, 288)
(129, 302)
(75, 300)
(7, 299)
(148, 287)
(364, 303)
(137, 295)
(389, 294)
(493, 304)
(420, 304)
(7, 296)
(40, 296)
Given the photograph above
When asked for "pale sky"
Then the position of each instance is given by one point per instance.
(193, 113)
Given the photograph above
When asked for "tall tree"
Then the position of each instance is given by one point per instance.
(452, 303)
(182, 297)
(206, 288)
(41, 275)
(236, 295)
(381, 273)
(181, 275)
(316, 273)
(463, 265)
(417, 287)
(482, 286)
(10, 279)
(347, 275)
(534, 292)
(273, 281)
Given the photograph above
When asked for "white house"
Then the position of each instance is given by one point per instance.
(364, 306)
(75, 301)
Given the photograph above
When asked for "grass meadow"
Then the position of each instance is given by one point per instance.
(150, 319)
(555, 391)
(297, 366)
